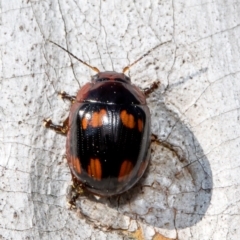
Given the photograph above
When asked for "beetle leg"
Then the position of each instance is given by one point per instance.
(75, 190)
(62, 129)
(149, 90)
(66, 96)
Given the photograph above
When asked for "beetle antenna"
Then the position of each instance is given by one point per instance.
(86, 64)
(144, 55)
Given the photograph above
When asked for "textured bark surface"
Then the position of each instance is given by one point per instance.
(192, 187)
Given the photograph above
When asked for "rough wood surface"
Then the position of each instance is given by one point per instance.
(191, 189)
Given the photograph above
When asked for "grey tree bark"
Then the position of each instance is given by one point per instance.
(191, 189)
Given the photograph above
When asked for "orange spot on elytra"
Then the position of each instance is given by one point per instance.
(96, 120)
(127, 119)
(140, 125)
(98, 169)
(92, 167)
(131, 122)
(95, 169)
(125, 170)
(75, 163)
(84, 123)
(102, 114)
(124, 117)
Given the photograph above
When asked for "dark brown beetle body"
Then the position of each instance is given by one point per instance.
(108, 141)
(108, 132)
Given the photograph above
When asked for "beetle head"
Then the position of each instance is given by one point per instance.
(110, 76)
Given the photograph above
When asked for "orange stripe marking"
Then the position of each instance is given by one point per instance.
(77, 165)
(84, 123)
(75, 162)
(129, 167)
(131, 122)
(124, 117)
(96, 119)
(95, 169)
(140, 125)
(98, 169)
(127, 119)
(125, 170)
(102, 114)
(92, 167)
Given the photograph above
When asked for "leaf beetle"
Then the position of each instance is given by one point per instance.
(108, 132)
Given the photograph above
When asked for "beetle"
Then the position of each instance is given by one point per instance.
(108, 132)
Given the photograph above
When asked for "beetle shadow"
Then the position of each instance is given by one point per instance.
(175, 192)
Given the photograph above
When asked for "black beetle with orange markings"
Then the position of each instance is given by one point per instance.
(108, 133)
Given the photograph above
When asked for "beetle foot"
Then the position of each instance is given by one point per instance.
(73, 193)
(62, 129)
(152, 88)
(66, 96)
